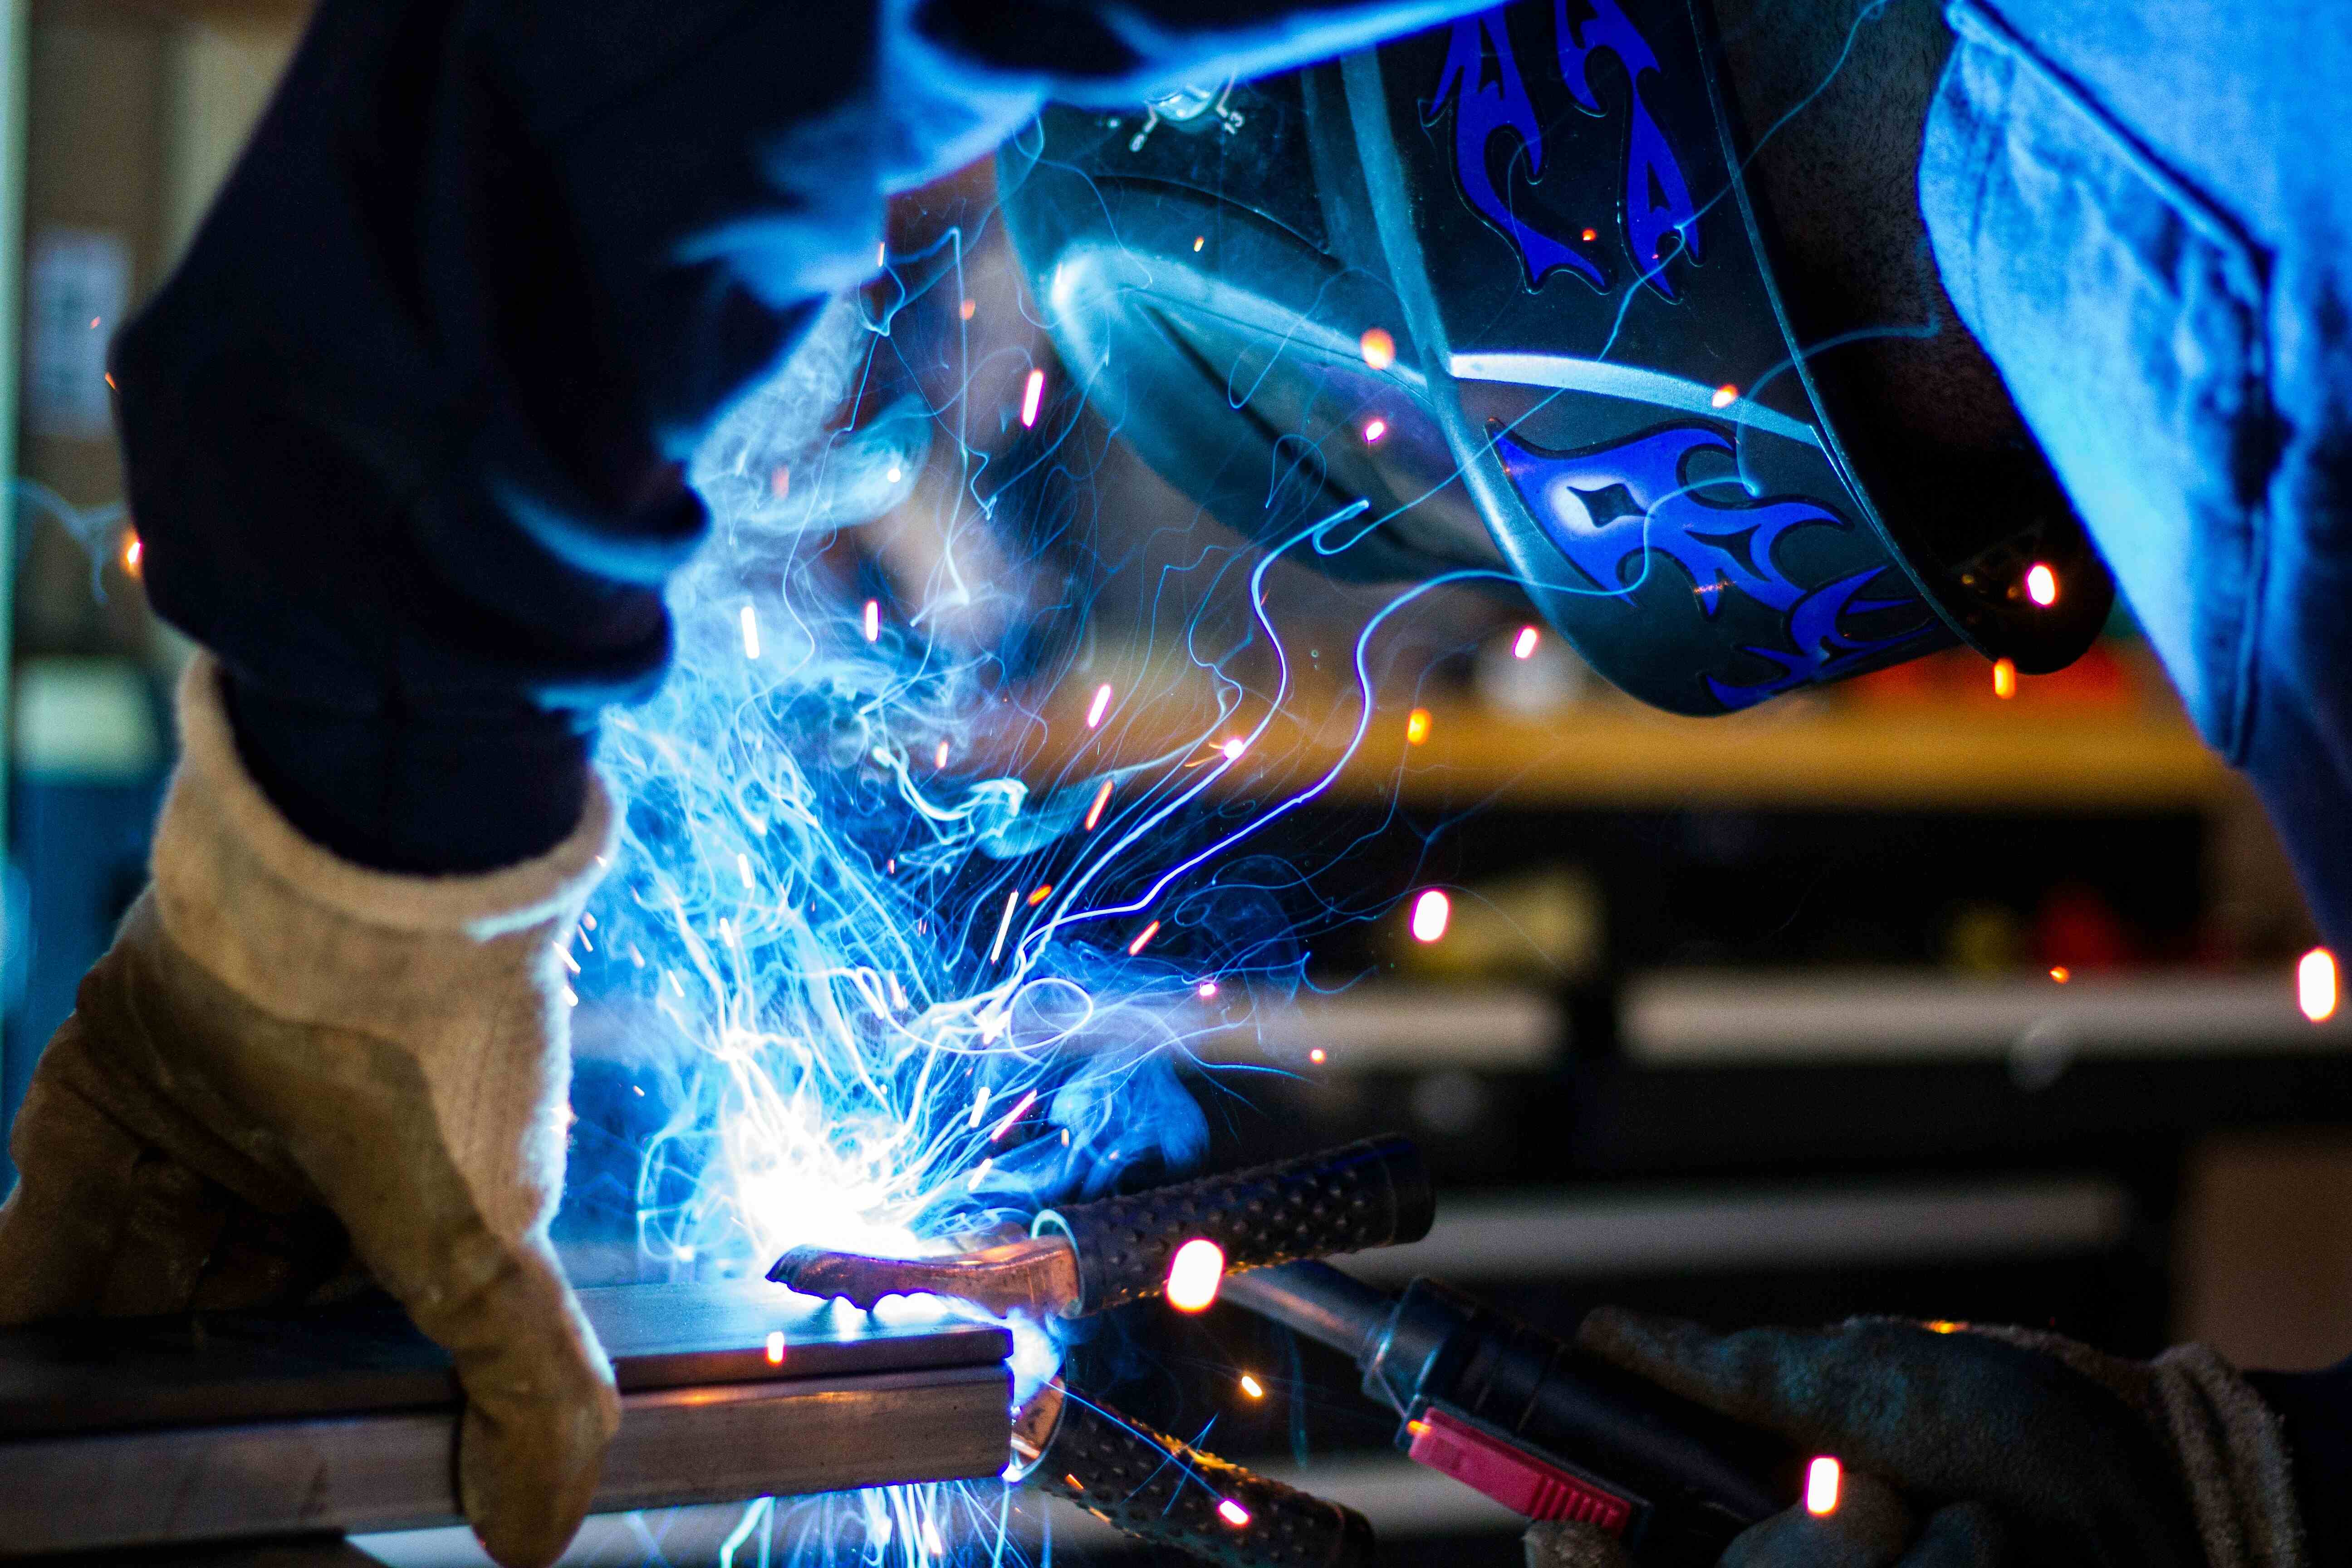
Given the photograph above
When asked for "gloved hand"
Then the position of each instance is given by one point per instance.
(287, 1066)
(1977, 1447)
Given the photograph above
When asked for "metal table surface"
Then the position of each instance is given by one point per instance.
(119, 1434)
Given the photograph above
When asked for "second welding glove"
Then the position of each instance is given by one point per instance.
(1976, 1449)
(289, 1068)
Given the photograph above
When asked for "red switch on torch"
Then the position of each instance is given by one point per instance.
(1528, 1486)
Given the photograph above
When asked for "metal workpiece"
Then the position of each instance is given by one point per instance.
(1161, 1489)
(139, 1434)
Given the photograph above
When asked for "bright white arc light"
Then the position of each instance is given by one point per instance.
(1194, 1274)
(1431, 913)
(1822, 1479)
(2314, 984)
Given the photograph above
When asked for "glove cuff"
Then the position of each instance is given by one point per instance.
(2230, 1447)
(215, 809)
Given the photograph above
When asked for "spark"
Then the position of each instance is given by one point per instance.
(775, 1347)
(1015, 1115)
(743, 869)
(1590, 234)
(1316, 1055)
(1032, 395)
(1725, 396)
(2314, 984)
(940, 756)
(1253, 1387)
(2041, 584)
(1431, 913)
(1821, 1479)
(1098, 706)
(967, 309)
(750, 633)
(1943, 1326)
(1232, 748)
(1205, 990)
(1233, 1513)
(1378, 348)
(873, 620)
(1044, 891)
(979, 1105)
(2061, 973)
(1012, 902)
(1524, 644)
(2004, 678)
(1094, 811)
(978, 1175)
(1374, 428)
(1194, 1275)
(133, 551)
(1142, 938)
(564, 954)
(779, 482)
(1197, 241)
(882, 253)
(1416, 727)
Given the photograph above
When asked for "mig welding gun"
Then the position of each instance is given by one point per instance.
(1533, 1422)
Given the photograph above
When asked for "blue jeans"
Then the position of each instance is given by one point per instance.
(2144, 212)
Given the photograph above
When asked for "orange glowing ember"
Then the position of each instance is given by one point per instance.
(2061, 973)
(1194, 1274)
(2004, 678)
(1725, 396)
(1823, 1478)
(1416, 727)
(2314, 984)
(775, 1347)
(1378, 348)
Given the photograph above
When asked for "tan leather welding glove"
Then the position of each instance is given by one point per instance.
(288, 1065)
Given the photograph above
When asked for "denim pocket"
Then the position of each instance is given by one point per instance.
(2127, 312)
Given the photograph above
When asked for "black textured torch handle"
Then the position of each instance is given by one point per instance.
(1159, 1489)
(1372, 1194)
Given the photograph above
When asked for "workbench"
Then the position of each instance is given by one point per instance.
(245, 1427)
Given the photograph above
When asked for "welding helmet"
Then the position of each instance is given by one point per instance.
(1500, 283)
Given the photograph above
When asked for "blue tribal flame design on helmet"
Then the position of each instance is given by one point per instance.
(1609, 508)
(1482, 81)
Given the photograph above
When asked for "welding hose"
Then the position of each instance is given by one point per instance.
(1162, 1490)
(1371, 1193)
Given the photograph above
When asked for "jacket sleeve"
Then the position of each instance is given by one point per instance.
(407, 428)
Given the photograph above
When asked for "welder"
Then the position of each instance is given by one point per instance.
(406, 434)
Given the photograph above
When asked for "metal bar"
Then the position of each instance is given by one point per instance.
(140, 1434)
